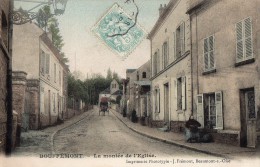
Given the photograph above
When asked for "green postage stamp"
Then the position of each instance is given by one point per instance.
(119, 31)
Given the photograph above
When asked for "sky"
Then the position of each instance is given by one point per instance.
(87, 53)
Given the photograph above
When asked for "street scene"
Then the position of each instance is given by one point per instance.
(130, 82)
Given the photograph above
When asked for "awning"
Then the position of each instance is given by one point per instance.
(143, 83)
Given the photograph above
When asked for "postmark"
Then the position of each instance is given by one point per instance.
(119, 31)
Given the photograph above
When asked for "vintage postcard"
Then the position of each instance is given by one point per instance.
(129, 83)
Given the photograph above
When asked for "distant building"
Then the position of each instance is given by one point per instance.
(142, 90)
(46, 74)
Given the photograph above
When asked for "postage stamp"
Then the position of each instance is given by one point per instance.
(119, 31)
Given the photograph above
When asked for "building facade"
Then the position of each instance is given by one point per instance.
(171, 66)
(4, 67)
(129, 90)
(46, 73)
(142, 89)
(225, 60)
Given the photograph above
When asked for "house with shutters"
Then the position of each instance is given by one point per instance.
(225, 52)
(34, 54)
(171, 94)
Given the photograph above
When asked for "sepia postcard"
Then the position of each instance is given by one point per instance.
(129, 83)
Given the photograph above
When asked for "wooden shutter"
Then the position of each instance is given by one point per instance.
(240, 48)
(42, 62)
(248, 38)
(47, 67)
(183, 93)
(175, 93)
(182, 38)
(200, 110)
(206, 59)
(219, 112)
(159, 100)
(158, 60)
(211, 52)
(174, 47)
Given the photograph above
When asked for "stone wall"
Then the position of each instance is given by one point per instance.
(177, 126)
(226, 138)
(157, 124)
(18, 102)
(4, 14)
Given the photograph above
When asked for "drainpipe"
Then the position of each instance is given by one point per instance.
(191, 66)
(9, 127)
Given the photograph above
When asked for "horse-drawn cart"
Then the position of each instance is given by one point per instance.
(103, 105)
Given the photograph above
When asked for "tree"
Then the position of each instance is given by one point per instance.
(47, 21)
(109, 74)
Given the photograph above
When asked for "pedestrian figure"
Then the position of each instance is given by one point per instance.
(192, 130)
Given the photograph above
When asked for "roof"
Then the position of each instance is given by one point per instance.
(162, 17)
(130, 70)
(106, 91)
(54, 50)
(196, 5)
(143, 83)
(118, 92)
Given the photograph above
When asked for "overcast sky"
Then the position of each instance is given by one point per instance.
(87, 53)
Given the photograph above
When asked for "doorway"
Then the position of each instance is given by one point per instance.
(247, 118)
(166, 103)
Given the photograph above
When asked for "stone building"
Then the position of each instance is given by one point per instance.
(46, 76)
(142, 89)
(5, 77)
(225, 68)
(171, 66)
(128, 90)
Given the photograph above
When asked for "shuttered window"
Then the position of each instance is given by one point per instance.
(157, 100)
(180, 41)
(180, 92)
(219, 112)
(200, 110)
(155, 63)
(47, 65)
(158, 60)
(165, 53)
(209, 61)
(244, 45)
(42, 64)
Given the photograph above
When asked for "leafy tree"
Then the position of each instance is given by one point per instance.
(109, 74)
(48, 22)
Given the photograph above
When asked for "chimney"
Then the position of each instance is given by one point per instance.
(161, 9)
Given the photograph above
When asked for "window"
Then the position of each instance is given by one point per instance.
(165, 54)
(137, 76)
(144, 75)
(54, 72)
(209, 62)
(180, 41)
(244, 46)
(157, 100)
(180, 90)
(59, 78)
(42, 65)
(155, 63)
(54, 103)
(209, 110)
(45, 63)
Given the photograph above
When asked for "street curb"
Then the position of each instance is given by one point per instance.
(170, 142)
(54, 133)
